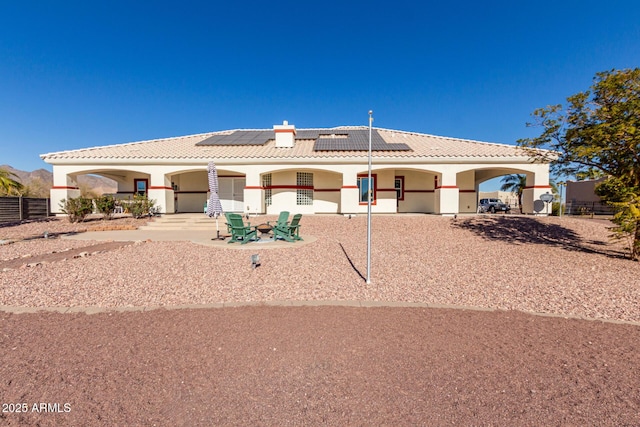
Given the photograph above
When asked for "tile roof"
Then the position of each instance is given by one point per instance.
(411, 145)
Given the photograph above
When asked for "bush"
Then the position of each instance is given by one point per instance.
(77, 208)
(141, 206)
(555, 208)
(105, 205)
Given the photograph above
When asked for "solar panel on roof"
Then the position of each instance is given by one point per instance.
(356, 140)
(239, 137)
(325, 139)
(307, 134)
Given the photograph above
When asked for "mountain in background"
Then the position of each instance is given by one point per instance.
(44, 178)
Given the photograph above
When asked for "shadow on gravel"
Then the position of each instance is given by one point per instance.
(523, 230)
(351, 262)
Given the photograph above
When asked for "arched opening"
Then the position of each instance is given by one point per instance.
(502, 185)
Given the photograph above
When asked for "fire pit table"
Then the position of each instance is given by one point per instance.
(264, 229)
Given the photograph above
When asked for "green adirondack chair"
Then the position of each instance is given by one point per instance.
(289, 232)
(226, 215)
(283, 219)
(294, 227)
(239, 231)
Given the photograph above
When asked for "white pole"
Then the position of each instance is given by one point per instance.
(369, 197)
(561, 184)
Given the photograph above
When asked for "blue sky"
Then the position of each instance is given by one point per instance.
(78, 74)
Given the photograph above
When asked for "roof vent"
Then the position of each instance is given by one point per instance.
(285, 135)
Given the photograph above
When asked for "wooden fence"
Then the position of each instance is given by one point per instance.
(16, 209)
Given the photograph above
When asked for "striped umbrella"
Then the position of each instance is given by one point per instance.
(214, 207)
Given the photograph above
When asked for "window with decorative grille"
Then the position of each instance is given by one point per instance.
(266, 184)
(304, 196)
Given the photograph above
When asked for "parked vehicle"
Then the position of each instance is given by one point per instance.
(493, 206)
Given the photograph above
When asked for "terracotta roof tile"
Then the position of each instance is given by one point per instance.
(421, 146)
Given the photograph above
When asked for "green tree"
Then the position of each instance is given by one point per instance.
(8, 185)
(598, 134)
(514, 183)
(590, 174)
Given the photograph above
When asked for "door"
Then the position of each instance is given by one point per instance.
(232, 194)
(399, 186)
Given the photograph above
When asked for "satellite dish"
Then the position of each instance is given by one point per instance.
(547, 197)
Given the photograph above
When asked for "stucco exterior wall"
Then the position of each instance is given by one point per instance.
(467, 196)
(385, 198)
(192, 190)
(466, 180)
(326, 201)
(283, 195)
(326, 197)
(468, 202)
(334, 182)
(418, 191)
(191, 202)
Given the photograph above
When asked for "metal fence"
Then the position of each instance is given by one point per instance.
(16, 209)
(574, 207)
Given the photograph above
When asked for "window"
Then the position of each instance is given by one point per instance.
(304, 196)
(140, 186)
(363, 186)
(266, 184)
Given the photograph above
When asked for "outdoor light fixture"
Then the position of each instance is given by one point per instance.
(255, 261)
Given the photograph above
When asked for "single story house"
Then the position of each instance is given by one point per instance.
(306, 171)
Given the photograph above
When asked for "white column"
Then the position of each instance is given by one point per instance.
(64, 187)
(253, 193)
(447, 195)
(161, 192)
(349, 195)
(537, 185)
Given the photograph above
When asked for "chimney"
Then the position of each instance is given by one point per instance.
(285, 135)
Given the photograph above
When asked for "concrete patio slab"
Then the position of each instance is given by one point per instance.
(195, 236)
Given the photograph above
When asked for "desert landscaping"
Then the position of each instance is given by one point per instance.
(559, 266)
(480, 319)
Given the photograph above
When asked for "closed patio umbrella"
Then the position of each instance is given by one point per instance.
(214, 207)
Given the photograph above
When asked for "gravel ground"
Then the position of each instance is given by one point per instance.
(564, 266)
(327, 365)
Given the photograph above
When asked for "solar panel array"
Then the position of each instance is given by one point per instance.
(240, 137)
(325, 140)
(356, 140)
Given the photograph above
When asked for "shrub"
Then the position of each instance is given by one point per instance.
(105, 205)
(141, 206)
(77, 208)
(555, 208)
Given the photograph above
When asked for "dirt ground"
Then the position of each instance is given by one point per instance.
(337, 366)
